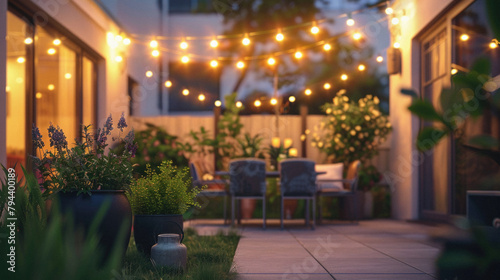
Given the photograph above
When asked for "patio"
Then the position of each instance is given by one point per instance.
(371, 249)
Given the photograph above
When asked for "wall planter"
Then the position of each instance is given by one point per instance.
(148, 227)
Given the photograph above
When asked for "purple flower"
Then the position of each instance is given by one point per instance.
(101, 137)
(121, 123)
(130, 146)
(108, 126)
(37, 138)
(57, 138)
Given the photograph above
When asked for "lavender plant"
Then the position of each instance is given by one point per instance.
(87, 165)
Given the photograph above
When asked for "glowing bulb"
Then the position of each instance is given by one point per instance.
(149, 74)
(67, 76)
(356, 36)
(214, 43)
(327, 86)
(126, 41)
(314, 30)
(327, 47)
(396, 45)
(389, 11)
(298, 55)
(274, 101)
(185, 92)
(155, 53)
(454, 71)
(214, 63)
(28, 41)
(380, 58)
(344, 77)
(201, 97)
(257, 103)
(271, 61)
(279, 37)
(464, 37)
(153, 44)
(350, 22)
(118, 38)
(307, 91)
(361, 67)
(493, 45)
(51, 87)
(291, 98)
(239, 104)
(240, 64)
(395, 21)
(184, 45)
(217, 103)
(56, 42)
(51, 51)
(118, 58)
(38, 95)
(21, 59)
(168, 84)
(185, 59)
(245, 41)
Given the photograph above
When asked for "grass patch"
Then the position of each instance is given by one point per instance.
(209, 257)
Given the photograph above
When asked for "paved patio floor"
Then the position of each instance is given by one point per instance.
(371, 249)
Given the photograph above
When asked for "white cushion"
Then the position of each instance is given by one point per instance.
(333, 171)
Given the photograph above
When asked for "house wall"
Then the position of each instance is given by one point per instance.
(404, 158)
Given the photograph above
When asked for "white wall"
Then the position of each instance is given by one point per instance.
(3, 84)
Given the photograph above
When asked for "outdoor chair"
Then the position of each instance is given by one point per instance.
(329, 186)
(298, 181)
(215, 187)
(248, 180)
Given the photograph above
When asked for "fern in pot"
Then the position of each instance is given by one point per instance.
(158, 200)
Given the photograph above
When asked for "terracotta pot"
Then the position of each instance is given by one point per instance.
(290, 207)
(247, 206)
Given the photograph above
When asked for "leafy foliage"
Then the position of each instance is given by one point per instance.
(86, 166)
(165, 192)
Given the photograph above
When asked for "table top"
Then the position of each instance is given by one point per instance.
(274, 174)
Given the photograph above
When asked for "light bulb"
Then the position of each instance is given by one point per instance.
(344, 77)
(356, 36)
(361, 67)
(201, 97)
(56, 42)
(298, 55)
(395, 21)
(327, 47)
(274, 101)
(217, 103)
(153, 44)
(214, 63)
(350, 22)
(21, 59)
(239, 104)
(214, 43)
(185, 92)
(184, 45)
(155, 53)
(291, 98)
(327, 86)
(307, 91)
(240, 64)
(245, 41)
(118, 58)
(149, 74)
(380, 58)
(396, 45)
(279, 37)
(168, 84)
(28, 41)
(271, 61)
(464, 37)
(493, 45)
(51, 51)
(389, 11)
(126, 41)
(314, 30)
(257, 103)
(185, 59)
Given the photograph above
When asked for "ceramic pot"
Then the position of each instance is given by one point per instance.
(148, 227)
(169, 252)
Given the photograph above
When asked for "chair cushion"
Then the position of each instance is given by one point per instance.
(333, 171)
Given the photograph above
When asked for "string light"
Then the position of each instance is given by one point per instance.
(239, 104)
(307, 92)
(464, 37)
(298, 55)
(291, 98)
(327, 86)
(183, 45)
(168, 84)
(344, 77)
(279, 37)
(214, 43)
(214, 63)
(314, 30)
(56, 42)
(126, 41)
(257, 103)
(395, 21)
(38, 95)
(118, 38)
(185, 59)
(149, 74)
(327, 47)
(28, 40)
(67, 76)
(21, 59)
(356, 36)
(185, 92)
(396, 45)
(271, 61)
(51, 87)
(246, 41)
(361, 67)
(240, 64)
(155, 53)
(350, 21)
(380, 58)
(118, 58)
(153, 44)
(51, 51)
(274, 101)
(201, 97)
(217, 103)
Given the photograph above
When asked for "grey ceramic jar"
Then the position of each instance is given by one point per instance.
(169, 252)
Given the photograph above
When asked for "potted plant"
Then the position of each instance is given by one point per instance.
(85, 177)
(159, 199)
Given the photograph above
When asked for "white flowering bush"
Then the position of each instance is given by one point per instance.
(351, 131)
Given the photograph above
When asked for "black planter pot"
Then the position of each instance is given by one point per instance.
(147, 228)
(84, 209)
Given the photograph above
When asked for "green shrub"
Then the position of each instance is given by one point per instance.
(166, 192)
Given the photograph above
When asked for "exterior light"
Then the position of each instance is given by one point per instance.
(21, 59)
(361, 67)
(240, 64)
(28, 40)
(274, 101)
(464, 37)
(56, 42)
(153, 44)
(291, 98)
(454, 71)
(168, 84)
(118, 58)
(257, 103)
(279, 37)
(214, 43)
(327, 47)
(185, 59)
(239, 104)
(155, 53)
(185, 92)
(126, 41)
(344, 77)
(307, 92)
(201, 97)
(217, 103)
(149, 74)
(184, 45)
(51, 51)
(380, 58)
(271, 61)
(493, 45)
(298, 55)
(327, 86)
(214, 63)
(314, 30)
(245, 41)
